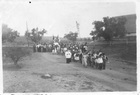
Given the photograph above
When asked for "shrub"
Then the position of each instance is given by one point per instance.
(16, 53)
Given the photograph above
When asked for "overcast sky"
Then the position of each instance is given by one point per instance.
(59, 17)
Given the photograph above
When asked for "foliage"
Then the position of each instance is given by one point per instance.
(35, 35)
(56, 39)
(71, 36)
(8, 34)
(109, 28)
(16, 53)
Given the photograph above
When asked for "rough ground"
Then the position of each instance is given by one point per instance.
(73, 77)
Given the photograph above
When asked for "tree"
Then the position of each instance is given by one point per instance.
(35, 35)
(8, 34)
(71, 36)
(15, 53)
(56, 39)
(98, 29)
(120, 27)
(27, 35)
(109, 28)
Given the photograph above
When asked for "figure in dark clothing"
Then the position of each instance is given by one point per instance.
(44, 48)
(39, 48)
(34, 48)
(105, 59)
(80, 56)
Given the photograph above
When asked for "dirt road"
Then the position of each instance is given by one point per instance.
(72, 77)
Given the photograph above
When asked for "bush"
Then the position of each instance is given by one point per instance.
(130, 53)
(16, 53)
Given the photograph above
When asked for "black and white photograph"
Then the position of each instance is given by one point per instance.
(69, 46)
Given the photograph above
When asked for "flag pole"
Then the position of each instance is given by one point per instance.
(27, 33)
(77, 26)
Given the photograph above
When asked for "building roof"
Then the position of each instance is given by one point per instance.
(130, 23)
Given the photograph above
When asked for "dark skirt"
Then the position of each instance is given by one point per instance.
(68, 60)
(44, 49)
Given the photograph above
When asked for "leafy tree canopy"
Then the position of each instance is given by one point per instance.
(35, 35)
(8, 34)
(109, 28)
(71, 36)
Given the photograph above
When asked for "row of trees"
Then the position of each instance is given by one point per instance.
(72, 36)
(108, 29)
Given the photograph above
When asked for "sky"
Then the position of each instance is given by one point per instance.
(59, 17)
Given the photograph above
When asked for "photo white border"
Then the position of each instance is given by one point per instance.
(77, 93)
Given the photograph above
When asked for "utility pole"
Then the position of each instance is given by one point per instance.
(27, 34)
(77, 26)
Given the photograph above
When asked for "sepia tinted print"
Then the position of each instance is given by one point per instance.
(68, 46)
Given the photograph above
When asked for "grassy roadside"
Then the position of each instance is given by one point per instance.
(121, 51)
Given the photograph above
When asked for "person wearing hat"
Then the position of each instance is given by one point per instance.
(68, 55)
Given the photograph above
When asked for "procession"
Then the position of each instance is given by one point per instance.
(75, 53)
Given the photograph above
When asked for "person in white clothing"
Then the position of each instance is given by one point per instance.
(84, 60)
(99, 62)
(68, 55)
(65, 49)
(93, 58)
(76, 57)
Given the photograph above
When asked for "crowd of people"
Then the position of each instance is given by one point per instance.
(42, 47)
(76, 53)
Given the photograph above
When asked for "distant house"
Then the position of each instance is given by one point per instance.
(130, 26)
(130, 23)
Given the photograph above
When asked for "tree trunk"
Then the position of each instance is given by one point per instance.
(109, 43)
(15, 62)
(126, 41)
(27, 42)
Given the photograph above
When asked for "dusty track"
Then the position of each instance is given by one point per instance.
(72, 77)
